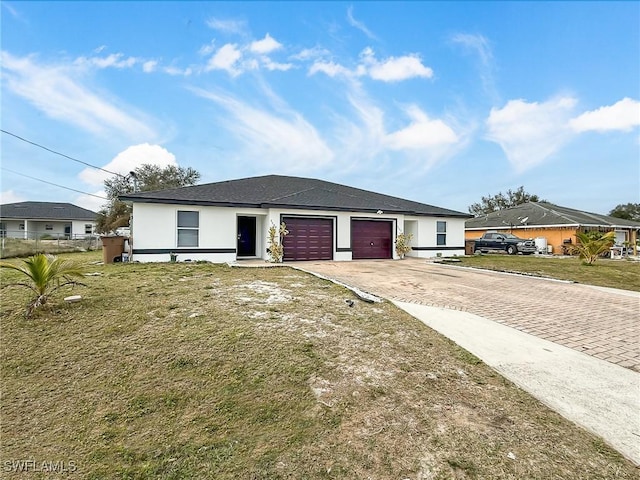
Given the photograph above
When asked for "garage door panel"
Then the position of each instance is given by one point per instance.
(371, 239)
(308, 239)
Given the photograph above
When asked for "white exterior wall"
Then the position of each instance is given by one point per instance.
(425, 236)
(77, 228)
(13, 230)
(155, 228)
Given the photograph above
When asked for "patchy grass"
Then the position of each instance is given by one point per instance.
(204, 371)
(624, 274)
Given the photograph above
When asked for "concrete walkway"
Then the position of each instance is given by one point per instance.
(601, 397)
(504, 319)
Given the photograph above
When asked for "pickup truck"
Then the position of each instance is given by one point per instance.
(507, 242)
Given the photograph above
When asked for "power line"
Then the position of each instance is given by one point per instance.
(61, 154)
(54, 184)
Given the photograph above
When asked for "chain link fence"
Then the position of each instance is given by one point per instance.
(21, 244)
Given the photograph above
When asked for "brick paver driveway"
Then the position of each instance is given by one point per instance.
(600, 322)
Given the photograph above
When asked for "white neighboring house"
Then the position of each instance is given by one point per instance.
(226, 221)
(31, 220)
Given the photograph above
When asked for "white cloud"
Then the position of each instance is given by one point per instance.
(330, 69)
(422, 133)
(114, 60)
(310, 53)
(90, 202)
(227, 26)
(280, 139)
(57, 92)
(271, 65)
(392, 69)
(367, 145)
(477, 43)
(480, 45)
(175, 71)
(529, 133)
(401, 68)
(226, 59)
(128, 160)
(9, 196)
(359, 25)
(267, 45)
(623, 115)
(207, 49)
(149, 66)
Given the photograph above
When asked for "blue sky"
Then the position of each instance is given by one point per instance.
(439, 102)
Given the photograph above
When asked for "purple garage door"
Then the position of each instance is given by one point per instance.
(371, 239)
(308, 239)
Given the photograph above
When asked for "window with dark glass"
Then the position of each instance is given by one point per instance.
(188, 226)
(441, 233)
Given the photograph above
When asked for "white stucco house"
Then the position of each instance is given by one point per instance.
(31, 220)
(228, 221)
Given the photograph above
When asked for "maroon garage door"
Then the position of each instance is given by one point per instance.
(308, 239)
(371, 239)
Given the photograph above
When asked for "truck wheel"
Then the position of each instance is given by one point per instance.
(511, 250)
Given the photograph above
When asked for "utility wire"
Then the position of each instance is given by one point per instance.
(54, 184)
(58, 153)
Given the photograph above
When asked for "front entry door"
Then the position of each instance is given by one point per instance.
(246, 237)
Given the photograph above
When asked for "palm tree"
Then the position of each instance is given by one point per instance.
(45, 274)
(593, 244)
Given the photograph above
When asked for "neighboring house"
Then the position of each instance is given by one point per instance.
(226, 221)
(553, 225)
(30, 220)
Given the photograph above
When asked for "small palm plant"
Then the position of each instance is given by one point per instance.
(45, 274)
(593, 244)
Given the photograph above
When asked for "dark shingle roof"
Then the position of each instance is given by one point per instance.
(545, 214)
(289, 192)
(45, 211)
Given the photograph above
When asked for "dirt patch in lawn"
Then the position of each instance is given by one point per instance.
(204, 371)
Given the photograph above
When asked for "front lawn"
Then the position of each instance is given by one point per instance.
(624, 274)
(205, 371)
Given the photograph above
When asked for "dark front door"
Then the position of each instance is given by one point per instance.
(246, 237)
(308, 238)
(370, 239)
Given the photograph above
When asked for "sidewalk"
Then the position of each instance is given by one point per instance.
(599, 396)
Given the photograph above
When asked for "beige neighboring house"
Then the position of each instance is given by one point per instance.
(554, 227)
(31, 220)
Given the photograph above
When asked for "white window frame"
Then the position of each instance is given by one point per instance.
(48, 227)
(88, 228)
(441, 234)
(187, 228)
